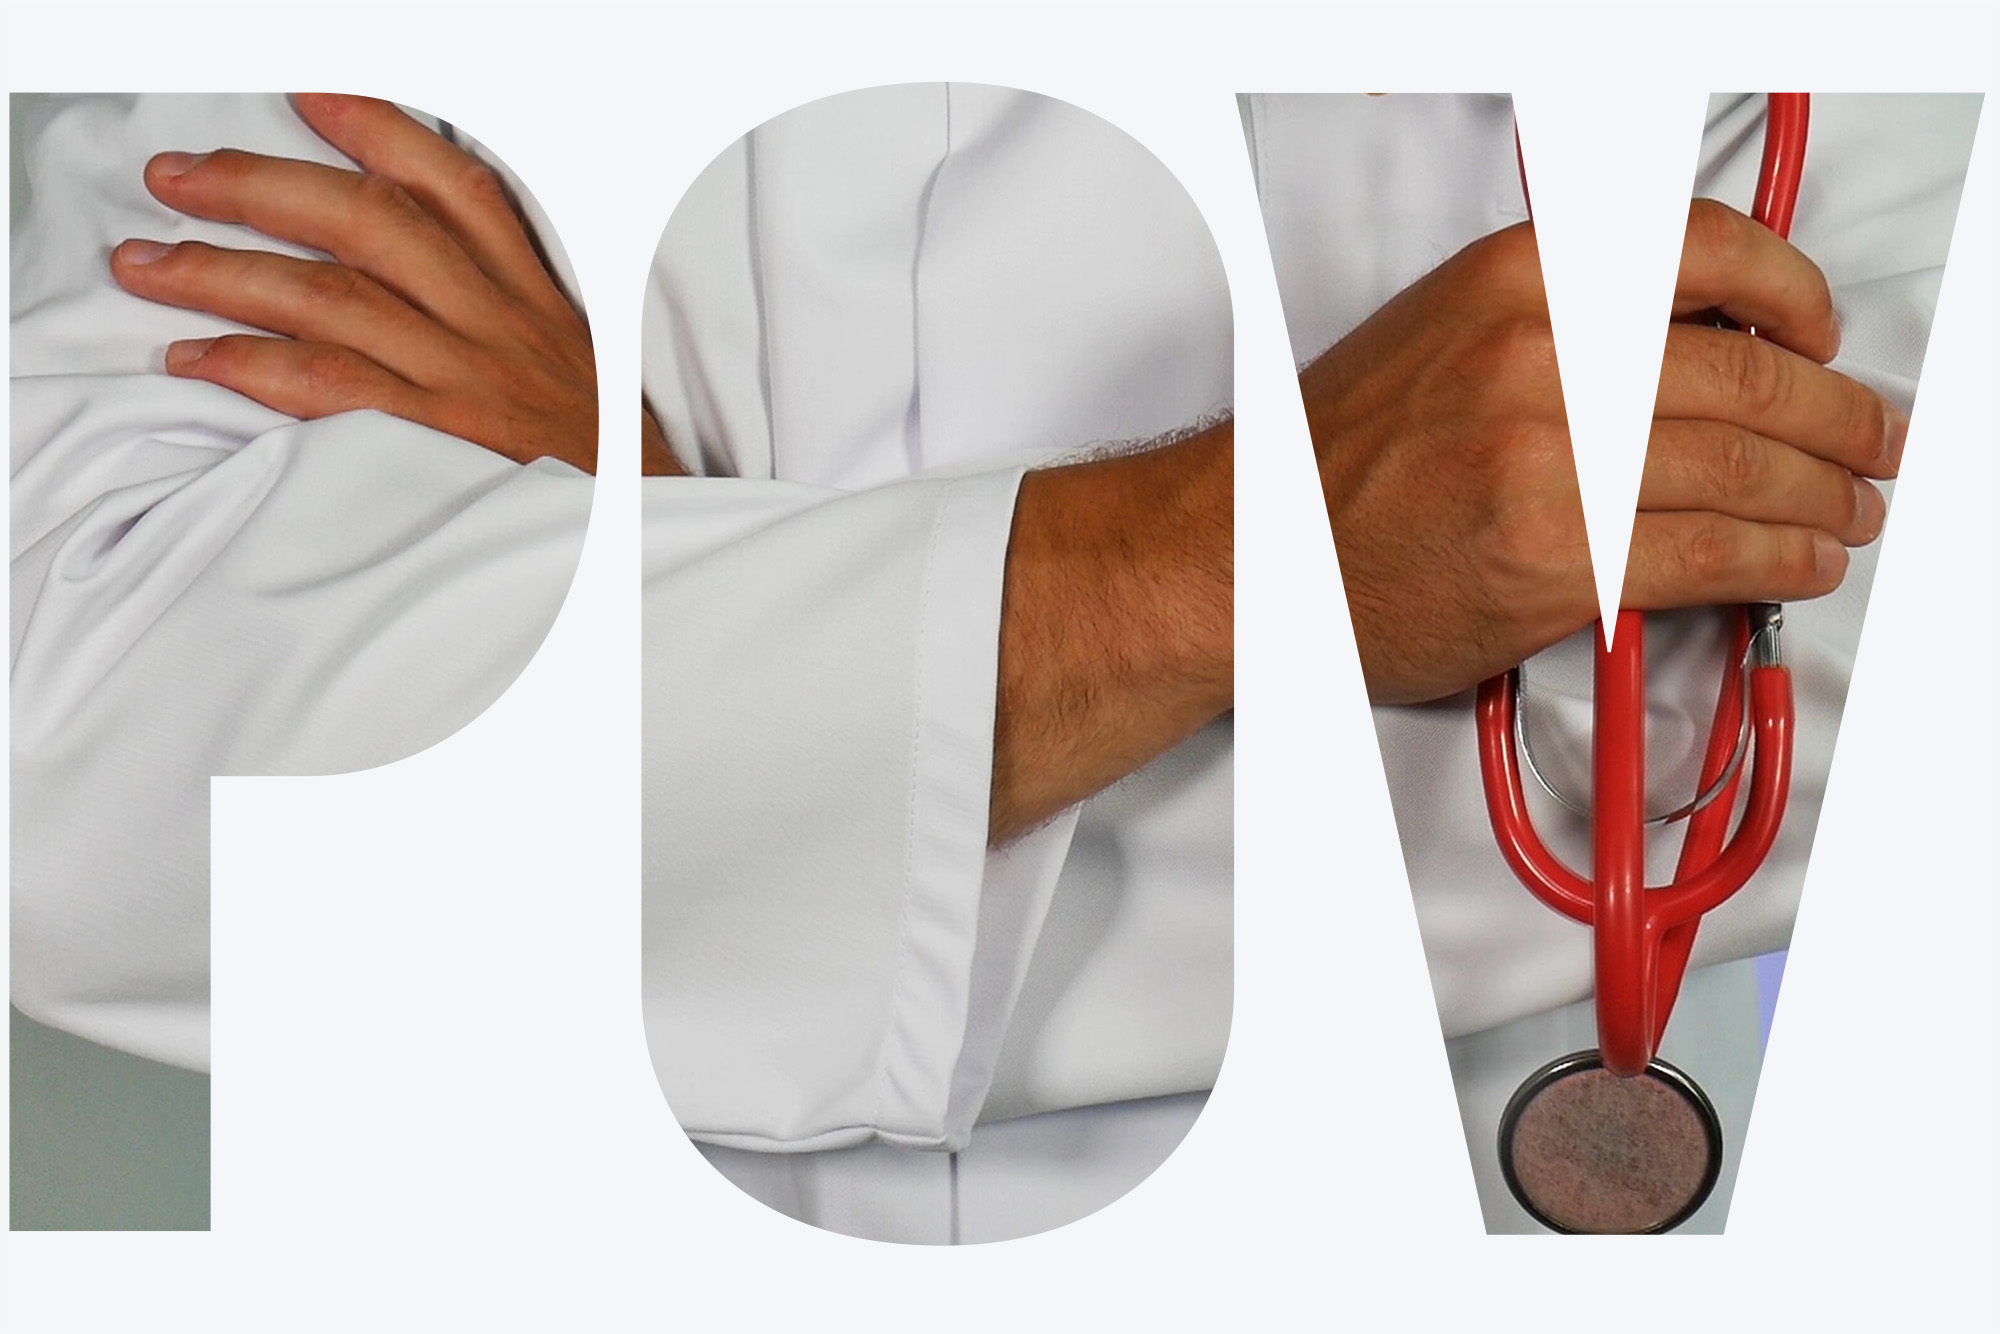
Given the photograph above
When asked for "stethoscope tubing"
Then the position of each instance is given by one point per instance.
(1641, 937)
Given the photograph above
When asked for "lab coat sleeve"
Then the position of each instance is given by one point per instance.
(202, 586)
(896, 296)
(827, 939)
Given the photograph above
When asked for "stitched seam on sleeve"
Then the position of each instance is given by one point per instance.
(892, 1034)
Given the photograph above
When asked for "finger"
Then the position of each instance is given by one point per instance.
(1726, 470)
(304, 299)
(1693, 560)
(1726, 376)
(1748, 272)
(456, 188)
(366, 222)
(306, 380)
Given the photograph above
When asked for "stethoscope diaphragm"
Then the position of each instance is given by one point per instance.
(1588, 1151)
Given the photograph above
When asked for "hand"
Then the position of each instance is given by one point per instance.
(1444, 454)
(434, 305)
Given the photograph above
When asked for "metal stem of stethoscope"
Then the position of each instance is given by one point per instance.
(1617, 1140)
(1518, 681)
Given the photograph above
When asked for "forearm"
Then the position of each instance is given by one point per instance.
(1117, 631)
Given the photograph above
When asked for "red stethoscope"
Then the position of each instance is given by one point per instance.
(1569, 1176)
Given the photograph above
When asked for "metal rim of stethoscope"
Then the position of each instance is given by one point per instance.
(1762, 651)
(1581, 1062)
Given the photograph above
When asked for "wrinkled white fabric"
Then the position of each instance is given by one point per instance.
(1014, 1179)
(1361, 197)
(203, 586)
(864, 318)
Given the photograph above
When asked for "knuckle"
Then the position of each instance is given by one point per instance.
(1860, 422)
(456, 416)
(1811, 290)
(1519, 543)
(1526, 457)
(1533, 515)
(497, 382)
(487, 424)
(1507, 260)
(1513, 353)
(1818, 305)
(482, 187)
(1715, 231)
(1708, 554)
(330, 285)
(1738, 463)
(1534, 555)
(509, 382)
(1512, 246)
(328, 373)
(515, 327)
(381, 196)
(494, 375)
(1750, 375)
(1527, 344)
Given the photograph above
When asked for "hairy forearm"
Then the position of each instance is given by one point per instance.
(1117, 627)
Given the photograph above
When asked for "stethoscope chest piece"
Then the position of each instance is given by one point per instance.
(1588, 1151)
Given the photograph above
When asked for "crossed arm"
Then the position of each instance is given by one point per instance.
(1438, 427)
(1117, 635)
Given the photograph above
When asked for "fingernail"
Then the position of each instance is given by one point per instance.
(1836, 334)
(1829, 557)
(1897, 432)
(1869, 510)
(169, 165)
(143, 252)
(187, 352)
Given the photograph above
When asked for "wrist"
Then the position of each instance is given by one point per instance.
(1117, 632)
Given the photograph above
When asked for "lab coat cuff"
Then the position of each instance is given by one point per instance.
(820, 700)
(951, 779)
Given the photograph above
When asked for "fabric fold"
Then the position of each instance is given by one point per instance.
(808, 972)
(934, 283)
(938, 284)
(203, 586)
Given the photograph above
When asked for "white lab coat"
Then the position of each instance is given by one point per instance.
(864, 319)
(1363, 195)
(204, 586)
